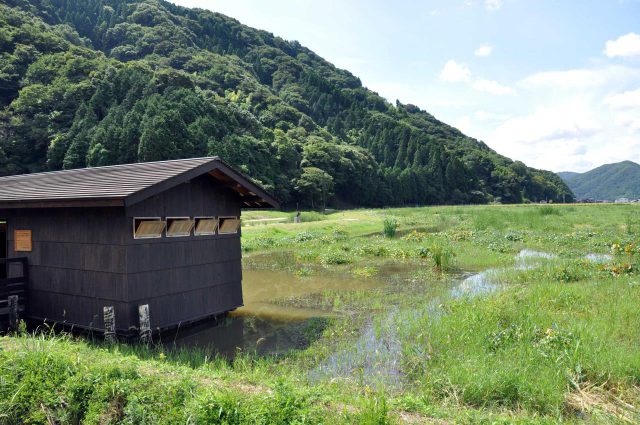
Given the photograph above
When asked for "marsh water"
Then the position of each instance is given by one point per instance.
(282, 310)
(286, 309)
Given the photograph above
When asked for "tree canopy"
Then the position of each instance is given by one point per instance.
(99, 82)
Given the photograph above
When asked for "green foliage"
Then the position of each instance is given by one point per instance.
(442, 256)
(315, 186)
(548, 210)
(607, 182)
(390, 226)
(99, 82)
(375, 412)
(557, 337)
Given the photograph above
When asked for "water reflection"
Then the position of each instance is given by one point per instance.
(266, 292)
(270, 323)
(233, 335)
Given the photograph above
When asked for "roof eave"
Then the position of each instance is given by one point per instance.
(262, 197)
(63, 203)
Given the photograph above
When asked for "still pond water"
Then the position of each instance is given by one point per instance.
(285, 311)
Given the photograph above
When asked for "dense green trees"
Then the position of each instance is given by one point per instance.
(97, 82)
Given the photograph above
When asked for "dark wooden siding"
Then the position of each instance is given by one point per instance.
(185, 278)
(77, 265)
(86, 258)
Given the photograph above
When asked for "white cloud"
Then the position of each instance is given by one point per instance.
(623, 46)
(492, 87)
(625, 111)
(483, 50)
(453, 72)
(582, 78)
(555, 136)
(492, 5)
(575, 119)
(626, 100)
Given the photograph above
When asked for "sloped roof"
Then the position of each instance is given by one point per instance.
(123, 185)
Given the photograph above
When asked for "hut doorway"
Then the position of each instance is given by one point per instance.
(3, 248)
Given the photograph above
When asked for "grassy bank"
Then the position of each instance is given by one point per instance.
(553, 341)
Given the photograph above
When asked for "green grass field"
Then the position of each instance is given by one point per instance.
(556, 340)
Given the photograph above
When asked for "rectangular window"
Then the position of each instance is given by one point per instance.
(179, 226)
(228, 225)
(148, 227)
(206, 226)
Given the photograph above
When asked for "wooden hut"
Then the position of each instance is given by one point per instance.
(163, 234)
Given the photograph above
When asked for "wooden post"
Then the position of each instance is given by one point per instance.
(12, 303)
(145, 323)
(109, 324)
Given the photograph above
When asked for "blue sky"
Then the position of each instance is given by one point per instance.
(553, 83)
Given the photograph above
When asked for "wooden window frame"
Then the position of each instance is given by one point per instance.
(166, 228)
(195, 226)
(147, 219)
(234, 217)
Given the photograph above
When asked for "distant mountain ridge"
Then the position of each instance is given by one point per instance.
(607, 182)
(564, 175)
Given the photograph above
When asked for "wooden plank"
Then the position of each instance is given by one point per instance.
(22, 241)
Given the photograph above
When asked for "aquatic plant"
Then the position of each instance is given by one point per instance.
(365, 271)
(335, 258)
(442, 256)
(414, 236)
(390, 227)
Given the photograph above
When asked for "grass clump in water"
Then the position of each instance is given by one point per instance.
(442, 257)
(365, 272)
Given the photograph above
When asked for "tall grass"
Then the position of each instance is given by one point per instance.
(530, 346)
(559, 339)
(442, 256)
(548, 210)
(390, 226)
(57, 379)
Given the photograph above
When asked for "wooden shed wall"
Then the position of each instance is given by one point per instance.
(86, 258)
(185, 278)
(77, 264)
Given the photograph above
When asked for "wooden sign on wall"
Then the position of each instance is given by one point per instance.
(22, 241)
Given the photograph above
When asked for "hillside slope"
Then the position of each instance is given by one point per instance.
(97, 82)
(609, 181)
(566, 175)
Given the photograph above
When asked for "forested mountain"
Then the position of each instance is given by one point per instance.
(565, 175)
(607, 182)
(97, 82)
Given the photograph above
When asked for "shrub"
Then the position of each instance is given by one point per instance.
(390, 227)
(335, 258)
(374, 250)
(309, 216)
(548, 210)
(305, 236)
